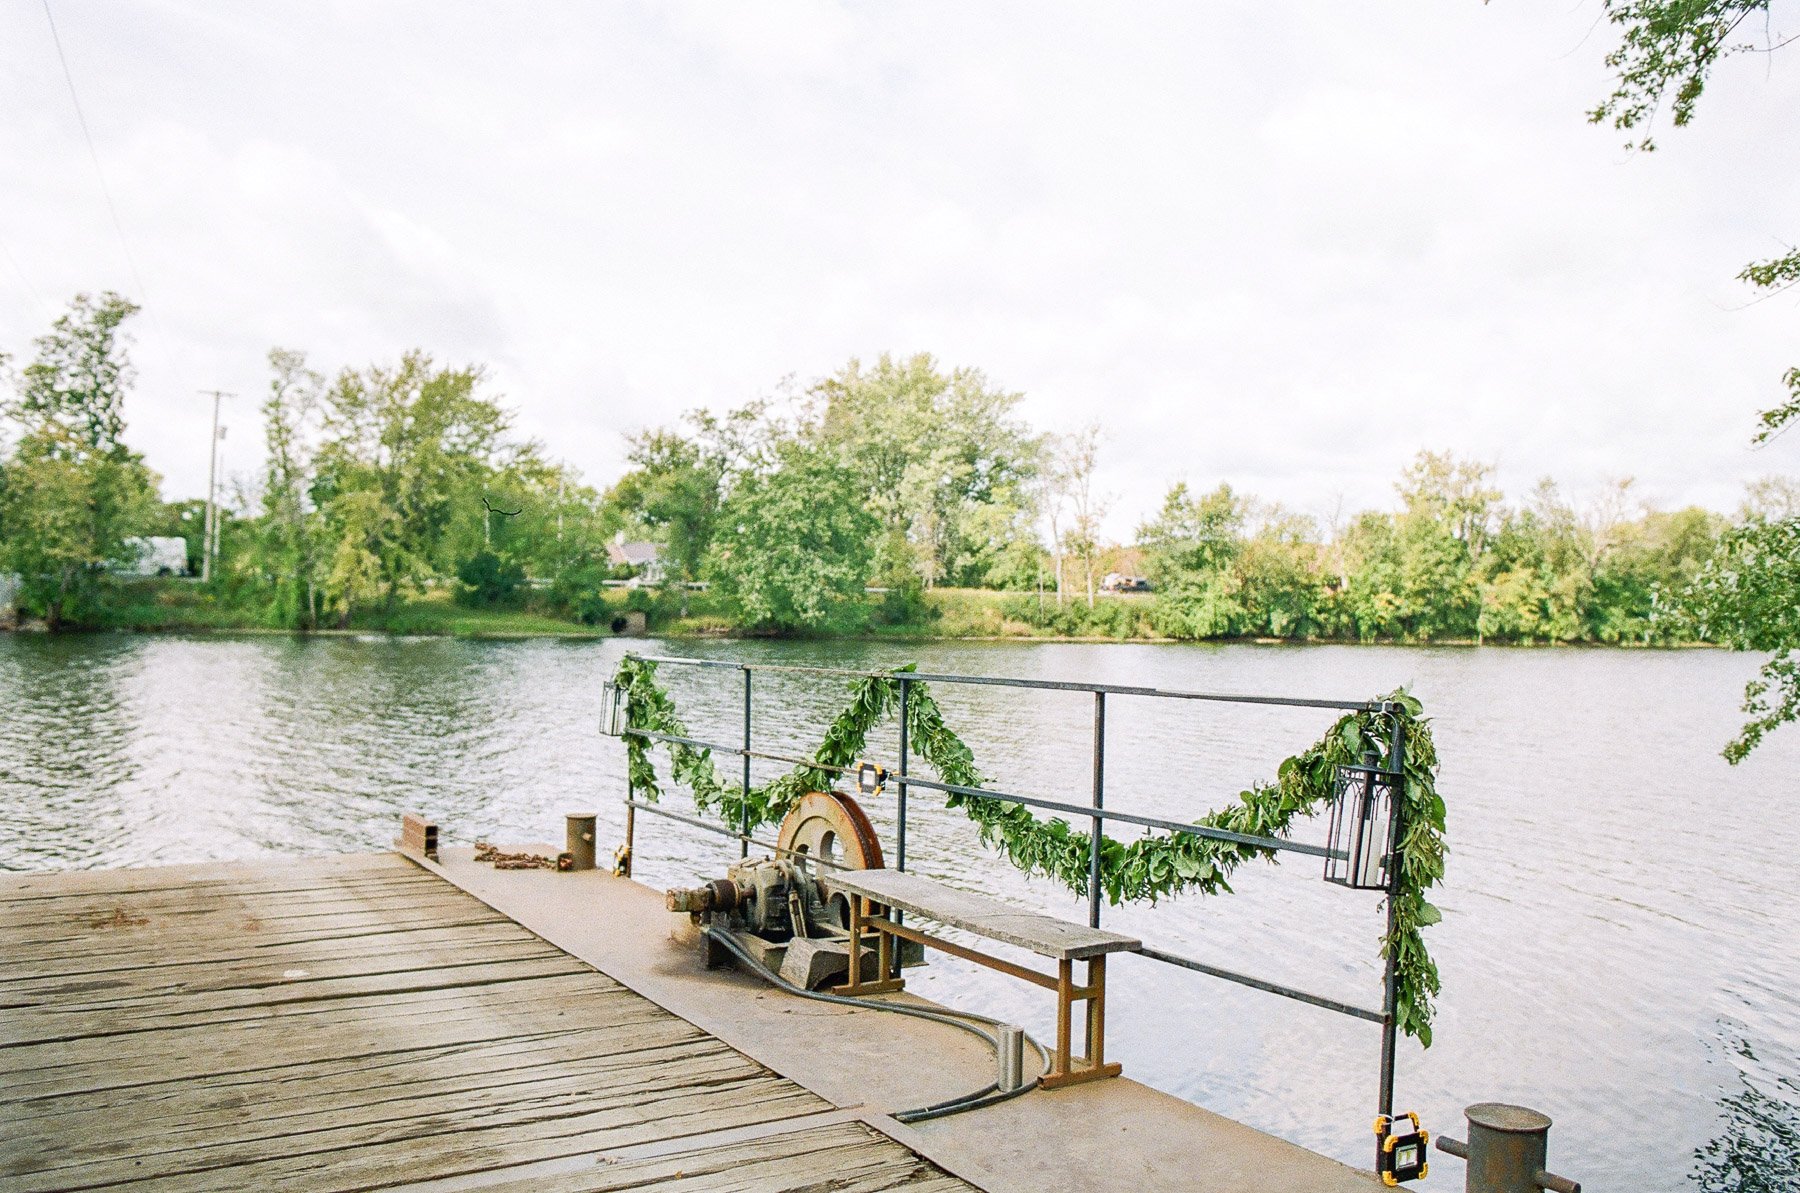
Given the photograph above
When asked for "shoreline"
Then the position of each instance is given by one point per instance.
(574, 632)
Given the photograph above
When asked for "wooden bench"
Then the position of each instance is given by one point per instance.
(874, 895)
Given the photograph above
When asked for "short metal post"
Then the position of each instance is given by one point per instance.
(744, 825)
(1390, 1002)
(581, 828)
(1094, 832)
(1507, 1149)
(1011, 1052)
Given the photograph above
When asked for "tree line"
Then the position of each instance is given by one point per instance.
(899, 475)
(831, 509)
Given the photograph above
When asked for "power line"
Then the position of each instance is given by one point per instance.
(106, 192)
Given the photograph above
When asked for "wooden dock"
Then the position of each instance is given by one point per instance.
(359, 1023)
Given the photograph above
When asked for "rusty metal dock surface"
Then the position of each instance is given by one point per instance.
(358, 1023)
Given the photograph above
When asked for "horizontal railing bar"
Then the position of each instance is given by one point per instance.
(659, 810)
(1154, 954)
(1317, 1000)
(1279, 844)
(1056, 685)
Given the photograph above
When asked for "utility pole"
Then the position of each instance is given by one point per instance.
(208, 543)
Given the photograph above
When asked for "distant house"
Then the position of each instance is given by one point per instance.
(643, 558)
(159, 555)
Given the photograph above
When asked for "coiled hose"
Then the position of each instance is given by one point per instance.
(987, 1095)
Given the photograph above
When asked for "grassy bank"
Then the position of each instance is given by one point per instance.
(183, 605)
(171, 605)
(941, 614)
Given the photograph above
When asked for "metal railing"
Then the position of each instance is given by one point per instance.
(1096, 811)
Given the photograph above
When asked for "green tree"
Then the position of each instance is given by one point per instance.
(408, 454)
(73, 492)
(932, 451)
(487, 579)
(1192, 535)
(1281, 585)
(1746, 597)
(555, 528)
(286, 547)
(796, 543)
(1668, 51)
(679, 479)
(1190, 551)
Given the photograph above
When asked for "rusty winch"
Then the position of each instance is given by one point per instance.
(782, 909)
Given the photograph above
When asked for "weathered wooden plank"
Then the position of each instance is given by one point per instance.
(343, 868)
(245, 1050)
(360, 1026)
(22, 893)
(843, 1158)
(46, 1027)
(18, 972)
(495, 1011)
(249, 1131)
(244, 939)
(148, 985)
(435, 1145)
(102, 992)
(283, 1091)
(124, 918)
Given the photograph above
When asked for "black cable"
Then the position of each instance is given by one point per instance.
(987, 1095)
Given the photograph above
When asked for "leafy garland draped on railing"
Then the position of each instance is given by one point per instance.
(1146, 868)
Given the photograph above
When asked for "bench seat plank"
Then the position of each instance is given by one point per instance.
(1044, 935)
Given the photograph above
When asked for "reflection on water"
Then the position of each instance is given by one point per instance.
(1616, 893)
(1757, 1149)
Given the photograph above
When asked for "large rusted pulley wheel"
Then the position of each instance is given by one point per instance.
(831, 826)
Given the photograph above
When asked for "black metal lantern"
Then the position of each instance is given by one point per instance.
(612, 709)
(1362, 815)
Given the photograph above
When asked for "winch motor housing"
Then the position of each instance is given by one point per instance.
(782, 908)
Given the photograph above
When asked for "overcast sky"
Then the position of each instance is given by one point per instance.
(1283, 245)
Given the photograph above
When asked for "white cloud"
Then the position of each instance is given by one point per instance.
(1283, 247)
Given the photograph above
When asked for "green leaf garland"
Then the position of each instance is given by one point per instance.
(1147, 868)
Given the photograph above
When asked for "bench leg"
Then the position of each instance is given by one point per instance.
(864, 911)
(1064, 1068)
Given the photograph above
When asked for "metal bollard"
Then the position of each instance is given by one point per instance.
(1507, 1149)
(581, 840)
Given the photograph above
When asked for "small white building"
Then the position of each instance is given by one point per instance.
(644, 558)
(159, 555)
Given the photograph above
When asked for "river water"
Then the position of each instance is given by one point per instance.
(1621, 936)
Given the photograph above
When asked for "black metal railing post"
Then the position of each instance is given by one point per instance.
(1390, 1008)
(1095, 822)
(744, 819)
(623, 865)
(900, 780)
(900, 798)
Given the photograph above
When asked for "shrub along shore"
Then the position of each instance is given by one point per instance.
(948, 614)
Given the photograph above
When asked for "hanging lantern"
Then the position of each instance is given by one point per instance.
(612, 709)
(1362, 813)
